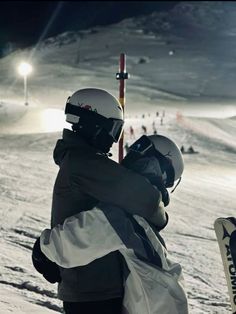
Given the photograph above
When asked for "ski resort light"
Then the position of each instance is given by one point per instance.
(24, 70)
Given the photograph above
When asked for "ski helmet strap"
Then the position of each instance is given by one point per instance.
(176, 185)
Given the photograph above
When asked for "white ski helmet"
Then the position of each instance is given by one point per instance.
(166, 152)
(171, 152)
(97, 108)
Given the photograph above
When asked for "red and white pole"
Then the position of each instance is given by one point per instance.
(122, 76)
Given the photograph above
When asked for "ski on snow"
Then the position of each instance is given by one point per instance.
(225, 229)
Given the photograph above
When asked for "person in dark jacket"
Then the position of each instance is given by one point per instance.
(73, 244)
(87, 176)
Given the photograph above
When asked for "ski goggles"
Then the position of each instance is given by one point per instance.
(145, 148)
(114, 127)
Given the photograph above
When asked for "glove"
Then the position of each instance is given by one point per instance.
(43, 265)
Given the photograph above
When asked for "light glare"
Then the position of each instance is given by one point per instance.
(24, 69)
(53, 120)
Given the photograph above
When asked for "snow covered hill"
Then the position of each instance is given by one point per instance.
(11, 112)
(200, 67)
(192, 89)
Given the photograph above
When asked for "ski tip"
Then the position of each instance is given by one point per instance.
(220, 220)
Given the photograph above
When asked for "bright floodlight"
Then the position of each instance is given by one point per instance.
(24, 69)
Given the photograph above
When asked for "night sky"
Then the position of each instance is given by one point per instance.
(23, 22)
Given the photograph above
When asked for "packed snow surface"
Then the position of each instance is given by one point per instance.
(192, 90)
(205, 193)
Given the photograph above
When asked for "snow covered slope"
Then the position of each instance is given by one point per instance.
(195, 86)
(205, 193)
(201, 67)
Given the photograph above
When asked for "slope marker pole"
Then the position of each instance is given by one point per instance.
(122, 75)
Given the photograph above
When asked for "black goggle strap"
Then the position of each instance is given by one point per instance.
(112, 126)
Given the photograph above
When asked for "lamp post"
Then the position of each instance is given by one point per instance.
(24, 70)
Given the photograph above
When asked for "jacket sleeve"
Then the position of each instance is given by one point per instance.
(109, 182)
(93, 234)
(80, 240)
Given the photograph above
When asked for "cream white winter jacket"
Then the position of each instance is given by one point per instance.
(153, 283)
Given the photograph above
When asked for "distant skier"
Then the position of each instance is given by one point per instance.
(161, 121)
(157, 114)
(131, 133)
(190, 150)
(182, 149)
(144, 129)
(154, 128)
(126, 147)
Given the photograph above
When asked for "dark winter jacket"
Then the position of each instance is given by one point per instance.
(86, 177)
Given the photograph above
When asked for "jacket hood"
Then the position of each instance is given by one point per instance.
(59, 151)
(70, 140)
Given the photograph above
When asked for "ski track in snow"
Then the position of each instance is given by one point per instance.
(205, 193)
